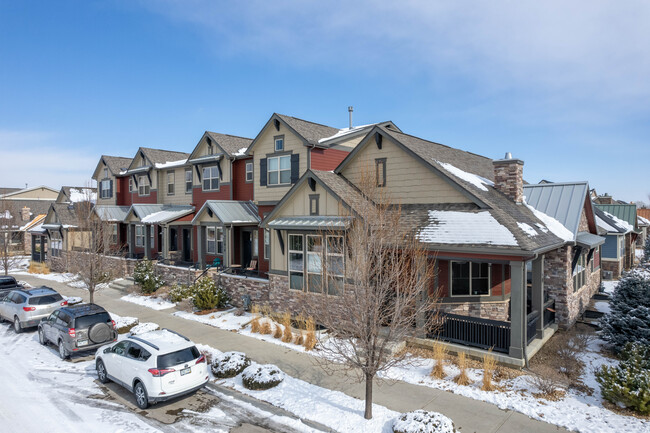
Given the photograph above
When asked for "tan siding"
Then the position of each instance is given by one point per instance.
(298, 204)
(179, 197)
(225, 163)
(278, 260)
(38, 193)
(264, 146)
(408, 180)
(98, 179)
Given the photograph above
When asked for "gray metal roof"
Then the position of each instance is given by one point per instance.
(607, 223)
(626, 212)
(231, 212)
(589, 240)
(310, 223)
(160, 213)
(562, 201)
(112, 213)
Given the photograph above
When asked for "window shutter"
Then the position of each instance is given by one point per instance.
(263, 172)
(295, 170)
(219, 169)
(110, 188)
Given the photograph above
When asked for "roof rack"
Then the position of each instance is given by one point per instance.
(142, 340)
(174, 332)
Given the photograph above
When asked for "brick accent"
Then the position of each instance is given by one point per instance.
(238, 286)
(509, 178)
(614, 266)
(498, 310)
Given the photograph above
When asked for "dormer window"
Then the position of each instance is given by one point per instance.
(279, 143)
(106, 173)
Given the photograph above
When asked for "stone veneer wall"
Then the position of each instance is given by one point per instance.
(558, 283)
(614, 266)
(493, 310)
(509, 178)
(238, 286)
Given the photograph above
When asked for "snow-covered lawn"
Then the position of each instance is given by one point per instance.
(148, 301)
(610, 286)
(576, 411)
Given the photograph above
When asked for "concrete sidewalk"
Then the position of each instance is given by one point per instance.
(468, 414)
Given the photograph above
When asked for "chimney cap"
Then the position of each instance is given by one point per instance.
(508, 155)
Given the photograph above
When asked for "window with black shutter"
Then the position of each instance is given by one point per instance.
(295, 167)
(263, 172)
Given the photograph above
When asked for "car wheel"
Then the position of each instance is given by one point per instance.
(101, 372)
(18, 328)
(41, 337)
(63, 352)
(140, 394)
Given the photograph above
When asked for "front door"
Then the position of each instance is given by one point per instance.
(245, 248)
(186, 245)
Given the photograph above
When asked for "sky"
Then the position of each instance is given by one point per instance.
(561, 85)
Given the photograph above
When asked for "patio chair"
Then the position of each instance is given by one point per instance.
(252, 266)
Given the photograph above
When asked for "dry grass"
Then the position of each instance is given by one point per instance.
(462, 378)
(255, 323)
(277, 333)
(38, 268)
(287, 336)
(310, 336)
(299, 339)
(489, 365)
(265, 328)
(439, 354)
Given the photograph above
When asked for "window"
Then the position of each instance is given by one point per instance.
(188, 181)
(296, 262)
(380, 168)
(249, 172)
(335, 265)
(255, 244)
(279, 143)
(580, 273)
(313, 204)
(131, 188)
(267, 243)
(210, 178)
(105, 173)
(279, 170)
(56, 244)
(315, 263)
(143, 185)
(595, 259)
(139, 236)
(469, 278)
(621, 246)
(170, 182)
(214, 236)
(105, 189)
(114, 234)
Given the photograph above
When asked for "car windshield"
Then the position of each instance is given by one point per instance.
(87, 321)
(44, 300)
(179, 357)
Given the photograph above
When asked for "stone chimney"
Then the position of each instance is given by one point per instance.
(509, 177)
(25, 214)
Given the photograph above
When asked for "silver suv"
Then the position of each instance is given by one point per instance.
(26, 307)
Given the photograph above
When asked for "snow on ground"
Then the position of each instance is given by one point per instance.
(638, 253)
(148, 301)
(144, 327)
(576, 411)
(602, 306)
(21, 263)
(123, 321)
(53, 276)
(610, 286)
(224, 319)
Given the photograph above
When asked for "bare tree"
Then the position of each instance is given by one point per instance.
(386, 297)
(8, 226)
(91, 238)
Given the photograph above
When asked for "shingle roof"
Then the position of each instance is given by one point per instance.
(116, 164)
(230, 143)
(310, 131)
(562, 201)
(69, 215)
(343, 189)
(36, 207)
(159, 156)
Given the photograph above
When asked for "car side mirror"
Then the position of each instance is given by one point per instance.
(108, 350)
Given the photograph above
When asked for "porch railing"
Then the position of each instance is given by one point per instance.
(531, 330)
(472, 331)
(549, 312)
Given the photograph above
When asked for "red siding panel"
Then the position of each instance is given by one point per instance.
(242, 190)
(497, 277)
(443, 278)
(199, 197)
(123, 194)
(145, 199)
(327, 159)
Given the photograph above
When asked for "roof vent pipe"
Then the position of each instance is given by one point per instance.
(508, 155)
(350, 110)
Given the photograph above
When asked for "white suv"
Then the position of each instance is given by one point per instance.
(155, 366)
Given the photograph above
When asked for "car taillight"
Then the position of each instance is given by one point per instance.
(160, 372)
(114, 324)
(72, 333)
(29, 308)
(64, 303)
(200, 360)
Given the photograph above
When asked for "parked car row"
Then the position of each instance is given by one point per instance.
(155, 366)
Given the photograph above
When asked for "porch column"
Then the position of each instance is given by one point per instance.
(42, 259)
(538, 294)
(165, 242)
(517, 310)
(130, 239)
(147, 241)
(228, 247)
(33, 244)
(200, 235)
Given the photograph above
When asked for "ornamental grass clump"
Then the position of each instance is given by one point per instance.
(489, 366)
(277, 332)
(229, 364)
(439, 354)
(309, 341)
(261, 377)
(462, 378)
(255, 323)
(287, 335)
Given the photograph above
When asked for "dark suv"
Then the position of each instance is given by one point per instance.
(77, 328)
(7, 284)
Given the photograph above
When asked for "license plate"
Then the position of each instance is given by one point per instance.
(186, 371)
(82, 342)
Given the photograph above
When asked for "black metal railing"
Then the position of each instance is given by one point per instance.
(472, 331)
(549, 313)
(531, 325)
(38, 257)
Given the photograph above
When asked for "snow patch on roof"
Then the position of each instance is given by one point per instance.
(552, 224)
(472, 178)
(81, 195)
(527, 229)
(454, 227)
(345, 131)
(641, 220)
(619, 222)
(164, 216)
(603, 225)
(171, 164)
(241, 152)
(542, 227)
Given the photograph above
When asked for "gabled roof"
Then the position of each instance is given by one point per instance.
(74, 194)
(112, 213)
(64, 215)
(230, 212)
(610, 223)
(230, 145)
(36, 221)
(158, 156)
(13, 194)
(158, 213)
(116, 164)
(625, 212)
(15, 207)
(562, 201)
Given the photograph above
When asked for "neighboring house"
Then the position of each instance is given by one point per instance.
(643, 223)
(470, 213)
(115, 217)
(623, 217)
(33, 241)
(614, 251)
(107, 175)
(284, 149)
(76, 194)
(62, 225)
(571, 273)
